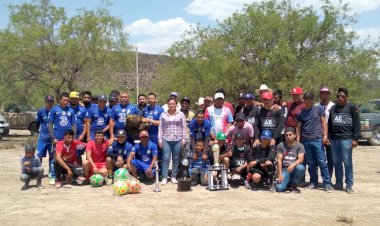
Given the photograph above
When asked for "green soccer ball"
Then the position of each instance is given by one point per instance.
(120, 188)
(121, 174)
(96, 180)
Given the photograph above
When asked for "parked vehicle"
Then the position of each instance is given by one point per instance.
(4, 127)
(370, 121)
(22, 120)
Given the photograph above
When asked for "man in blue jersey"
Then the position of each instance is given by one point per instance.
(44, 143)
(143, 156)
(81, 118)
(99, 117)
(118, 152)
(141, 104)
(119, 114)
(86, 100)
(152, 115)
(200, 129)
(61, 118)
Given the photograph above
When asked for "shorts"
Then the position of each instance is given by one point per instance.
(100, 165)
(43, 147)
(142, 167)
(80, 152)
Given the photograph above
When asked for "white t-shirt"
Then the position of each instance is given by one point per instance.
(326, 108)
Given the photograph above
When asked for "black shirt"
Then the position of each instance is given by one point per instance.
(272, 120)
(239, 156)
(261, 154)
(344, 122)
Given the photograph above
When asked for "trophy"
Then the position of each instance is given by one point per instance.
(157, 188)
(217, 173)
(184, 184)
(215, 148)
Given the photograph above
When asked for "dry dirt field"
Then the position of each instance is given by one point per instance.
(97, 206)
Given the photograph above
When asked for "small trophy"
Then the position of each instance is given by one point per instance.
(157, 188)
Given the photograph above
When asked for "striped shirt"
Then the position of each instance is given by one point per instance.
(172, 127)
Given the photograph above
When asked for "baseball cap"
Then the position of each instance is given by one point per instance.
(144, 133)
(249, 96)
(121, 133)
(239, 136)
(112, 98)
(201, 101)
(308, 95)
(95, 97)
(221, 136)
(240, 117)
(30, 147)
(49, 98)
(266, 134)
(219, 95)
(263, 87)
(74, 94)
(102, 97)
(185, 99)
(267, 96)
(296, 91)
(325, 89)
(241, 96)
(175, 94)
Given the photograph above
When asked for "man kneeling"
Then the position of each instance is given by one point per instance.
(66, 159)
(145, 154)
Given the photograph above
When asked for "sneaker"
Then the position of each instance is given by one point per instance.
(247, 185)
(164, 181)
(349, 190)
(174, 180)
(39, 186)
(311, 186)
(295, 190)
(272, 188)
(49, 175)
(52, 181)
(339, 188)
(328, 189)
(25, 187)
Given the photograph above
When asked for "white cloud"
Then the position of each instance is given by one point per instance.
(161, 33)
(372, 33)
(221, 9)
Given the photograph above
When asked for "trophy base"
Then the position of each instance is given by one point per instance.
(217, 178)
(184, 185)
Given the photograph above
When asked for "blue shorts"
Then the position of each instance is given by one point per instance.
(80, 152)
(43, 147)
(142, 167)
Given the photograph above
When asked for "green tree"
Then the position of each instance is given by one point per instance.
(275, 43)
(44, 51)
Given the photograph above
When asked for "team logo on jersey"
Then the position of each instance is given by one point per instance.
(122, 117)
(123, 110)
(145, 158)
(68, 114)
(63, 121)
(148, 152)
(100, 121)
(128, 111)
(155, 112)
(63, 113)
(120, 151)
(105, 115)
(338, 118)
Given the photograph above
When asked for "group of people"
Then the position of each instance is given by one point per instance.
(263, 141)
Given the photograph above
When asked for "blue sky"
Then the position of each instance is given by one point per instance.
(154, 24)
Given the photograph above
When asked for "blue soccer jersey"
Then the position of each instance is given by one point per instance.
(62, 120)
(199, 163)
(119, 114)
(99, 119)
(153, 112)
(117, 149)
(42, 118)
(80, 116)
(146, 153)
(200, 131)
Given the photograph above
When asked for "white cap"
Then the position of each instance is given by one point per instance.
(201, 101)
(264, 87)
(219, 95)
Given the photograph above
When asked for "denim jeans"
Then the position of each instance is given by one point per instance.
(38, 172)
(170, 148)
(293, 178)
(342, 153)
(316, 157)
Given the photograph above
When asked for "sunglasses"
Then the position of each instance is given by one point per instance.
(340, 96)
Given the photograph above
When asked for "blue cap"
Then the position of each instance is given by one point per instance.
(266, 134)
(249, 96)
(49, 98)
(175, 94)
(102, 97)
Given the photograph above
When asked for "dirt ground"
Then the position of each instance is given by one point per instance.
(83, 205)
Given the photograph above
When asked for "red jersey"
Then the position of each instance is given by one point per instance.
(98, 152)
(293, 112)
(69, 153)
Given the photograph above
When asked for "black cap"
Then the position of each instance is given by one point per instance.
(185, 99)
(102, 97)
(30, 147)
(112, 98)
(94, 97)
(49, 98)
(121, 133)
(308, 95)
(240, 117)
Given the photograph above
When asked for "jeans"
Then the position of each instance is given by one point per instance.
(294, 177)
(342, 152)
(170, 148)
(37, 172)
(316, 157)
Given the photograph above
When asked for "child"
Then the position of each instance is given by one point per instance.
(238, 155)
(31, 168)
(199, 162)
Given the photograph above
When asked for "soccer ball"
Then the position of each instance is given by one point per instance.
(120, 188)
(96, 180)
(121, 174)
(129, 189)
(135, 186)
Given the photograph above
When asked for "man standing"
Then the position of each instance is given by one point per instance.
(326, 104)
(141, 104)
(312, 131)
(240, 103)
(61, 118)
(344, 131)
(267, 118)
(99, 117)
(219, 115)
(185, 108)
(294, 108)
(119, 114)
(152, 115)
(86, 99)
(250, 108)
(44, 143)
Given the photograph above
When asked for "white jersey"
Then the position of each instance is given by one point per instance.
(326, 108)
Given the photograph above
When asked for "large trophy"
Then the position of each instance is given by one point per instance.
(184, 183)
(217, 173)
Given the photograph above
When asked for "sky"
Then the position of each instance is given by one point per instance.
(153, 25)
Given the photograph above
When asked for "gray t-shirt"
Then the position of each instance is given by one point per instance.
(34, 163)
(290, 154)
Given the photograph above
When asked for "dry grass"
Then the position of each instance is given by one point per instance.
(346, 217)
